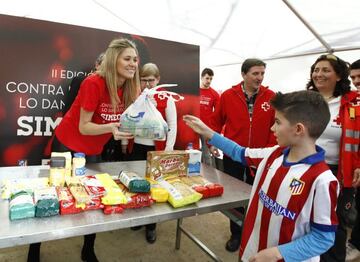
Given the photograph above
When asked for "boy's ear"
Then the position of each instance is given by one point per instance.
(300, 128)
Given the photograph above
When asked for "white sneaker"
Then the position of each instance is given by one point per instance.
(351, 252)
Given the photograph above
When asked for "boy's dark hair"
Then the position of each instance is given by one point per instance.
(306, 107)
(355, 65)
(342, 70)
(249, 63)
(207, 71)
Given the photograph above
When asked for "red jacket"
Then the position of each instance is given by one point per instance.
(349, 156)
(232, 111)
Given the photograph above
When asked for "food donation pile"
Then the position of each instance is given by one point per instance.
(62, 192)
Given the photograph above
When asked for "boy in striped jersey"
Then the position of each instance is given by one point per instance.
(291, 214)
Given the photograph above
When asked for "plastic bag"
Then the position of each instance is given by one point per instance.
(142, 119)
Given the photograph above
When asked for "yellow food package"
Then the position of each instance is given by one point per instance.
(114, 194)
(78, 191)
(158, 193)
(68, 160)
(180, 194)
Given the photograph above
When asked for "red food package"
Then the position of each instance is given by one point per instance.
(196, 186)
(203, 186)
(135, 200)
(115, 209)
(67, 201)
(94, 203)
(93, 186)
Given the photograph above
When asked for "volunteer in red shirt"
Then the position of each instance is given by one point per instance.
(94, 115)
(246, 113)
(209, 99)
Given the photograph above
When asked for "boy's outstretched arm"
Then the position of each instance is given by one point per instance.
(312, 244)
(229, 147)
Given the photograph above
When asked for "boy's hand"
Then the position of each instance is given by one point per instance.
(267, 255)
(214, 151)
(198, 126)
(356, 178)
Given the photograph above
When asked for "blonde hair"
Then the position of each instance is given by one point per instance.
(150, 69)
(108, 70)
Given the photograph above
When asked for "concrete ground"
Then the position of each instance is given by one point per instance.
(127, 245)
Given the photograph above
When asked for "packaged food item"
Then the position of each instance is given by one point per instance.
(78, 190)
(93, 186)
(180, 194)
(95, 190)
(113, 195)
(196, 186)
(135, 200)
(67, 202)
(161, 164)
(57, 171)
(46, 201)
(14, 185)
(203, 186)
(158, 193)
(134, 182)
(114, 209)
(21, 205)
(79, 162)
(194, 160)
(68, 158)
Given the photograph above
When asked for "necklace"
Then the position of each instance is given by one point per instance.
(329, 98)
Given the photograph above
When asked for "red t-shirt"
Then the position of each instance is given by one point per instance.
(208, 101)
(94, 97)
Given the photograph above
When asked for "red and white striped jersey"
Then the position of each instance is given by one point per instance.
(286, 199)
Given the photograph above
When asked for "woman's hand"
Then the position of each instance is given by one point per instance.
(198, 126)
(267, 255)
(117, 134)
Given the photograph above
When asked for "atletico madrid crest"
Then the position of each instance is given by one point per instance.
(296, 186)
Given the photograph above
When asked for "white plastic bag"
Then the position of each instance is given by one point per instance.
(142, 119)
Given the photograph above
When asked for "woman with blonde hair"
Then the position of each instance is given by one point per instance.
(94, 115)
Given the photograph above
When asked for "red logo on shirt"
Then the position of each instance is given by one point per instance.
(265, 106)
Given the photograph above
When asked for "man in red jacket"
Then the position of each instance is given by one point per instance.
(245, 112)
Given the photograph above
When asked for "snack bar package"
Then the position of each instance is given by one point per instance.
(21, 206)
(134, 182)
(135, 200)
(180, 194)
(114, 195)
(46, 201)
(161, 164)
(158, 193)
(67, 202)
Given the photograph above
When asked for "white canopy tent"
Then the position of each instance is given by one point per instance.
(288, 34)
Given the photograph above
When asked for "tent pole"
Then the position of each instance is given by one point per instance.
(308, 26)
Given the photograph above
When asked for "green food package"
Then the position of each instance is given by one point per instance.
(47, 202)
(134, 182)
(21, 205)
